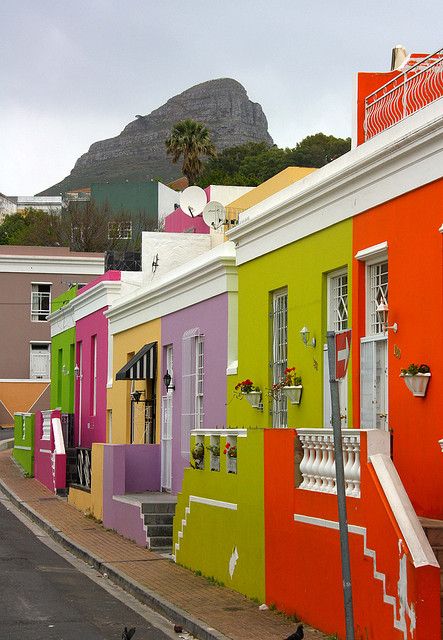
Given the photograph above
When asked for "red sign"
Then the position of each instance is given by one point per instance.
(342, 350)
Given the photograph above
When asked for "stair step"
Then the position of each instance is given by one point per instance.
(158, 507)
(158, 518)
(160, 542)
(159, 530)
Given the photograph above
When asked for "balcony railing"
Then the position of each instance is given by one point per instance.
(318, 464)
(414, 88)
(78, 468)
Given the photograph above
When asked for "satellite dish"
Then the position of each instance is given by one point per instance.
(192, 201)
(214, 214)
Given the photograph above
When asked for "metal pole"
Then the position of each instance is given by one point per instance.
(341, 492)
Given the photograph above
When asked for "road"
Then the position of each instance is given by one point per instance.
(47, 596)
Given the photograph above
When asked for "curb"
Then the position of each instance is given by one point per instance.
(6, 444)
(153, 600)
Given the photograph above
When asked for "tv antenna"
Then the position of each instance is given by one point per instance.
(193, 201)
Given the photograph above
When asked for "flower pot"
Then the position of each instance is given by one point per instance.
(293, 393)
(417, 384)
(254, 398)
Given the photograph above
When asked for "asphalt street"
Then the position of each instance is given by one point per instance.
(44, 596)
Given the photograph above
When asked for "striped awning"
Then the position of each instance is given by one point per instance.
(142, 366)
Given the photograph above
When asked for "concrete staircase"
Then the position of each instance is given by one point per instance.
(158, 515)
(434, 533)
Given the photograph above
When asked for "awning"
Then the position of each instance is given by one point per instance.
(142, 366)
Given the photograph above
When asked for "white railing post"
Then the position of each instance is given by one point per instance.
(317, 466)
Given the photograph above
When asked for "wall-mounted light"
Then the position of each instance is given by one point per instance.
(136, 395)
(167, 380)
(382, 313)
(77, 371)
(305, 337)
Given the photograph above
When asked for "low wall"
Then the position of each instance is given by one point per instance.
(91, 502)
(23, 451)
(395, 576)
(128, 468)
(49, 467)
(219, 517)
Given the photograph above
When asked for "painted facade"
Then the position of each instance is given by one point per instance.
(30, 277)
(23, 452)
(63, 356)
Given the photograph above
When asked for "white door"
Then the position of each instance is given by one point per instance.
(374, 383)
(166, 443)
(40, 361)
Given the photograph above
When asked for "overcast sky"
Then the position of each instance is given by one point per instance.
(77, 71)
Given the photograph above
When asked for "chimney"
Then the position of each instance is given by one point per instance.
(399, 55)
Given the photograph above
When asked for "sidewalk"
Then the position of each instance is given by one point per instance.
(207, 611)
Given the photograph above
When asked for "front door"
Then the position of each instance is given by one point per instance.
(374, 383)
(342, 391)
(166, 445)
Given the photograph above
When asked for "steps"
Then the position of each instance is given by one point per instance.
(158, 517)
(434, 533)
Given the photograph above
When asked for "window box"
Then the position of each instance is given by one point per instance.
(293, 393)
(417, 384)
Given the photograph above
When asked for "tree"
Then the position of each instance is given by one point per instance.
(191, 140)
(252, 163)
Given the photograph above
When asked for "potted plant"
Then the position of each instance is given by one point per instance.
(230, 451)
(198, 454)
(416, 378)
(289, 385)
(247, 389)
(214, 450)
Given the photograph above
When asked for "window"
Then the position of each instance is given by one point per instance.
(199, 360)
(192, 386)
(376, 293)
(120, 230)
(40, 355)
(279, 317)
(40, 301)
(338, 301)
(94, 375)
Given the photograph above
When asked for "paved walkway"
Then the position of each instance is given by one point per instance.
(208, 611)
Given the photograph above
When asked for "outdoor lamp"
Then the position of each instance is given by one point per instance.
(382, 313)
(77, 371)
(167, 380)
(304, 334)
(136, 395)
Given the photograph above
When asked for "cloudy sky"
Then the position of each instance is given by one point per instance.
(77, 71)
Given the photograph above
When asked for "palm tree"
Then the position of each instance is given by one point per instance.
(192, 140)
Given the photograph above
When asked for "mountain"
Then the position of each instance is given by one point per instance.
(138, 152)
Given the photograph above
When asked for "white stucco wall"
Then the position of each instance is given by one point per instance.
(172, 249)
(167, 198)
(227, 194)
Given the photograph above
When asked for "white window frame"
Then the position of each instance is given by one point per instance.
(373, 325)
(120, 230)
(199, 377)
(334, 322)
(279, 316)
(39, 343)
(38, 296)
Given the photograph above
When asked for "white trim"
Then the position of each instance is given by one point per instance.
(19, 446)
(404, 513)
(45, 450)
(39, 342)
(101, 295)
(376, 251)
(54, 264)
(35, 282)
(202, 278)
(32, 380)
(240, 433)
(405, 157)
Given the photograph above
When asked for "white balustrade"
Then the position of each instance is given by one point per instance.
(318, 463)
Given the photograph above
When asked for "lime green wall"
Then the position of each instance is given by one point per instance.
(23, 451)
(63, 359)
(302, 267)
(212, 531)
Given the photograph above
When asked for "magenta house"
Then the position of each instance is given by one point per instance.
(179, 222)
